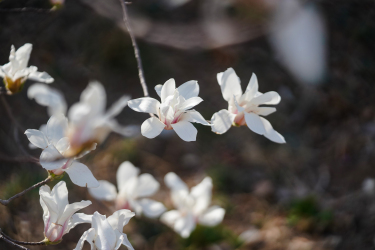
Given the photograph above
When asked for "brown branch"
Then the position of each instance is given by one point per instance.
(8, 239)
(11, 242)
(135, 47)
(6, 202)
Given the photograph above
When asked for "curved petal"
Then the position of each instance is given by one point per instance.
(70, 209)
(118, 106)
(51, 158)
(95, 97)
(202, 194)
(158, 89)
(264, 111)
(81, 175)
(189, 89)
(147, 185)
(271, 134)
(194, 116)
(106, 191)
(255, 123)
(145, 104)
(168, 89)
(23, 55)
(106, 236)
(222, 121)
(271, 97)
(230, 84)
(120, 218)
(49, 97)
(151, 208)
(57, 126)
(185, 130)
(188, 104)
(169, 218)
(185, 225)
(40, 77)
(37, 138)
(125, 172)
(212, 217)
(62, 145)
(76, 219)
(50, 208)
(152, 127)
(123, 240)
(252, 87)
(88, 236)
(175, 183)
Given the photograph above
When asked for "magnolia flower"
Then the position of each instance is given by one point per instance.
(132, 190)
(89, 122)
(16, 71)
(55, 145)
(244, 108)
(192, 207)
(173, 111)
(106, 233)
(58, 215)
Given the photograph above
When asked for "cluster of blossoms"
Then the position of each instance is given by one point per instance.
(71, 134)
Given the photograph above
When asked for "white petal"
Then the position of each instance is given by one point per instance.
(145, 104)
(185, 225)
(188, 104)
(94, 96)
(169, 218)
(48, 203)
(189, 89)
(151, 208)
(230, 84)
(62, 145)
(124, 241)
(40, 77)
(60, 195)
(158, 89)
(81, 175)
(49, 97)
(117, 107)
(106, 236)
(147, 185)
(271, 97)
(106, 191)
(185, 130)
(264, 111)
(271, 134)
(212, 217)
(168, 89)
(120, 218)
(174, 182)
(202, 194)
(222, 121)
(152, 127)
(219, 77)
(70, 210)
(56, 127)
(51, 159)
(37, 138)
(194, 116)
(252, 87)
(255, 123)
(76, 219)
(125, 172)
(88, 236)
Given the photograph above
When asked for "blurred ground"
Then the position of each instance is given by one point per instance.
(306, 194)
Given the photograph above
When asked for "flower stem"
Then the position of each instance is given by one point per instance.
(17, 243)
(6, 202)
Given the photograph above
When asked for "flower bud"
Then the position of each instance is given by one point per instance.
(54, 232)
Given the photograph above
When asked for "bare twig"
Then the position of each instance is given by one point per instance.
(6, 202)
(11, 242)
(8, 239)
(20, 10)
(135, 47)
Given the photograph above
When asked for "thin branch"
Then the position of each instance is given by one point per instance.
(11, 242)
(135, 47)
(6, 237)
(6, 202)
(20, 10)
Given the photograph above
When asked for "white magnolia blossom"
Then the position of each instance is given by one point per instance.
(244, 108)
(173, 111)
(58, 215)
(133, 188)
(16, 72)
(89, 122)
(107, 233)
(191, 207)
(55, 145)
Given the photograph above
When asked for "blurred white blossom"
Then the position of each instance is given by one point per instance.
(132, 190)
(107, 233)
(173, 111)
(191, 207)
(58, 215)
(89, 123)
(16, 72)
(243, 108)
(55, 144)
(298, 36)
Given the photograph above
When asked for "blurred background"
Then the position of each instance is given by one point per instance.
(315, 192)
